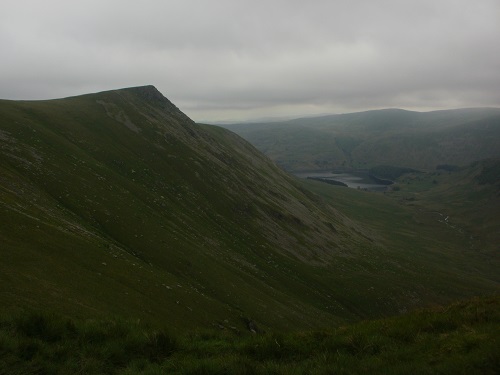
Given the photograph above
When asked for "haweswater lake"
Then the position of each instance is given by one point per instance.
(355, 180)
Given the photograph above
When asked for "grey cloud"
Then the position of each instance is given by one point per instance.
(221, 59)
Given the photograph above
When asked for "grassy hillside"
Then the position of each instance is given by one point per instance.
(373, 138)
(117, 204)
(460, 339)
(466, 199)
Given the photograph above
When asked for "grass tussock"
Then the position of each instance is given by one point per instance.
(460, 339)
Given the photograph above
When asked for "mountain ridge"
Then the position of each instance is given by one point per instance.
(132, 179)
(322, 116)
(419, 140)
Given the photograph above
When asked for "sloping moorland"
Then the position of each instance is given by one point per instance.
(117, 207)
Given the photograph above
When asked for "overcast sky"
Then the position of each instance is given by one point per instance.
(239, 59)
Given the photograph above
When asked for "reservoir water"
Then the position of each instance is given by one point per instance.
(355, 180)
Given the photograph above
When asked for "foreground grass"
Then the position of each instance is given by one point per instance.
(460, 339)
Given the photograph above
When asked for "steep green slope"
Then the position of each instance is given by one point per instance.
(117, 202)
(384, 137)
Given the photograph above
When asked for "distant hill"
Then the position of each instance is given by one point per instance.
(117, 204)
(420, 140)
